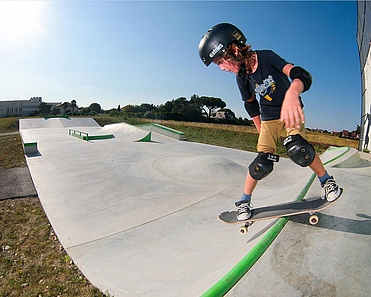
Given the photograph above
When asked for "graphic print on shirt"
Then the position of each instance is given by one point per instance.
(267, 88)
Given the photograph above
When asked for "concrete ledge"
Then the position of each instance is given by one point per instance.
(30, 148)
(163, 130)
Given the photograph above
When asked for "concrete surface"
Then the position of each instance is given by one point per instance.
(140, 219)
(330, 259)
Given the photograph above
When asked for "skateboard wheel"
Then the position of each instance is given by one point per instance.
(313, 220)
(244, 230)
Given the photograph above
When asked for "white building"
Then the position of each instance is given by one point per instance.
(364, 41)
(11, 108)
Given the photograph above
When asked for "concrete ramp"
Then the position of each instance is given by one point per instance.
(82, 127)
(140, 219)
(352, 160)
(294, 263)
(127, 132)
(39, 123)
(201, 169)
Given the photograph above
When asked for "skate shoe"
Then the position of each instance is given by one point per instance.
(330, 190)
(244, 210)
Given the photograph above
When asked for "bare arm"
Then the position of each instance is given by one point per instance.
(291, 112)
(257, 122)
(256, 118)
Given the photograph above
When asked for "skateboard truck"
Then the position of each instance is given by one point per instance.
(245, 228)
(313, 220)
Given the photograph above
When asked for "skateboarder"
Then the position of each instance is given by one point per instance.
(264, 75)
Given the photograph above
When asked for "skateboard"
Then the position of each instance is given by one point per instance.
(310, 206)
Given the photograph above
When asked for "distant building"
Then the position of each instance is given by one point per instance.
(221, 115)
(364, 41)
(13, 108)
(68, 107)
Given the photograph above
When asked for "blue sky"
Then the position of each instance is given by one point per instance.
(131, 52)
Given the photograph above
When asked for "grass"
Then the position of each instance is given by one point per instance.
(9, 125)
(11, 152)
(32, 261)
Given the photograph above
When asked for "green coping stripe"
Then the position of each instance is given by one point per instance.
(98, 137)
(339, 156)
(236, 273)
(26, 144)
(168, 129)
(163, 128)
(56, 117)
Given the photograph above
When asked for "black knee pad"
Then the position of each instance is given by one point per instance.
(262, 165)
(299, 150)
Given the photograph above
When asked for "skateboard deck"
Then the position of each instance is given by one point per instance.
(310, 205)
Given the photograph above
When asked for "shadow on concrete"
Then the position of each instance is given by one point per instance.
(340, 224)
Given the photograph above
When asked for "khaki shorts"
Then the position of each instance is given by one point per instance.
(270, 132)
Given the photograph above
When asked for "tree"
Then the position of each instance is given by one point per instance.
(144, 107)
(64, 105)
(73, 106)
(167, 107)
(44, 109)
(56, 110)
(180, 105)
(129, 108)
(95, 107)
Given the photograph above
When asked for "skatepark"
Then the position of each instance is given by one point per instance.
(136, 209)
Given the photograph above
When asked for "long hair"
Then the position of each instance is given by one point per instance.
(246, 57)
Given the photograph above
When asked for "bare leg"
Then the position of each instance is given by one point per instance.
(250, 184)
(317, 166)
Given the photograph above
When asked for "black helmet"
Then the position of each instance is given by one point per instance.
(216, 40)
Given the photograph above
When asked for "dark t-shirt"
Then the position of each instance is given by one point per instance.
(268, 82)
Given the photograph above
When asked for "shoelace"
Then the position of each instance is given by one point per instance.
(244, 207)
(330, 186)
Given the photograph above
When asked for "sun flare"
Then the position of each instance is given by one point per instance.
(20, 21)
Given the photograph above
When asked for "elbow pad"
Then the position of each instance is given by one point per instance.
(303, 75)
(252, 108)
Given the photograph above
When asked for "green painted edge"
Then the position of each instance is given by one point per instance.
(164, 128)
(146, 138)
(236, 273)
(337, 157)
(98, 137)
(27, 144)
(56, 117)
(169, 129)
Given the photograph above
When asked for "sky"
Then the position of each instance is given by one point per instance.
(134, 52)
